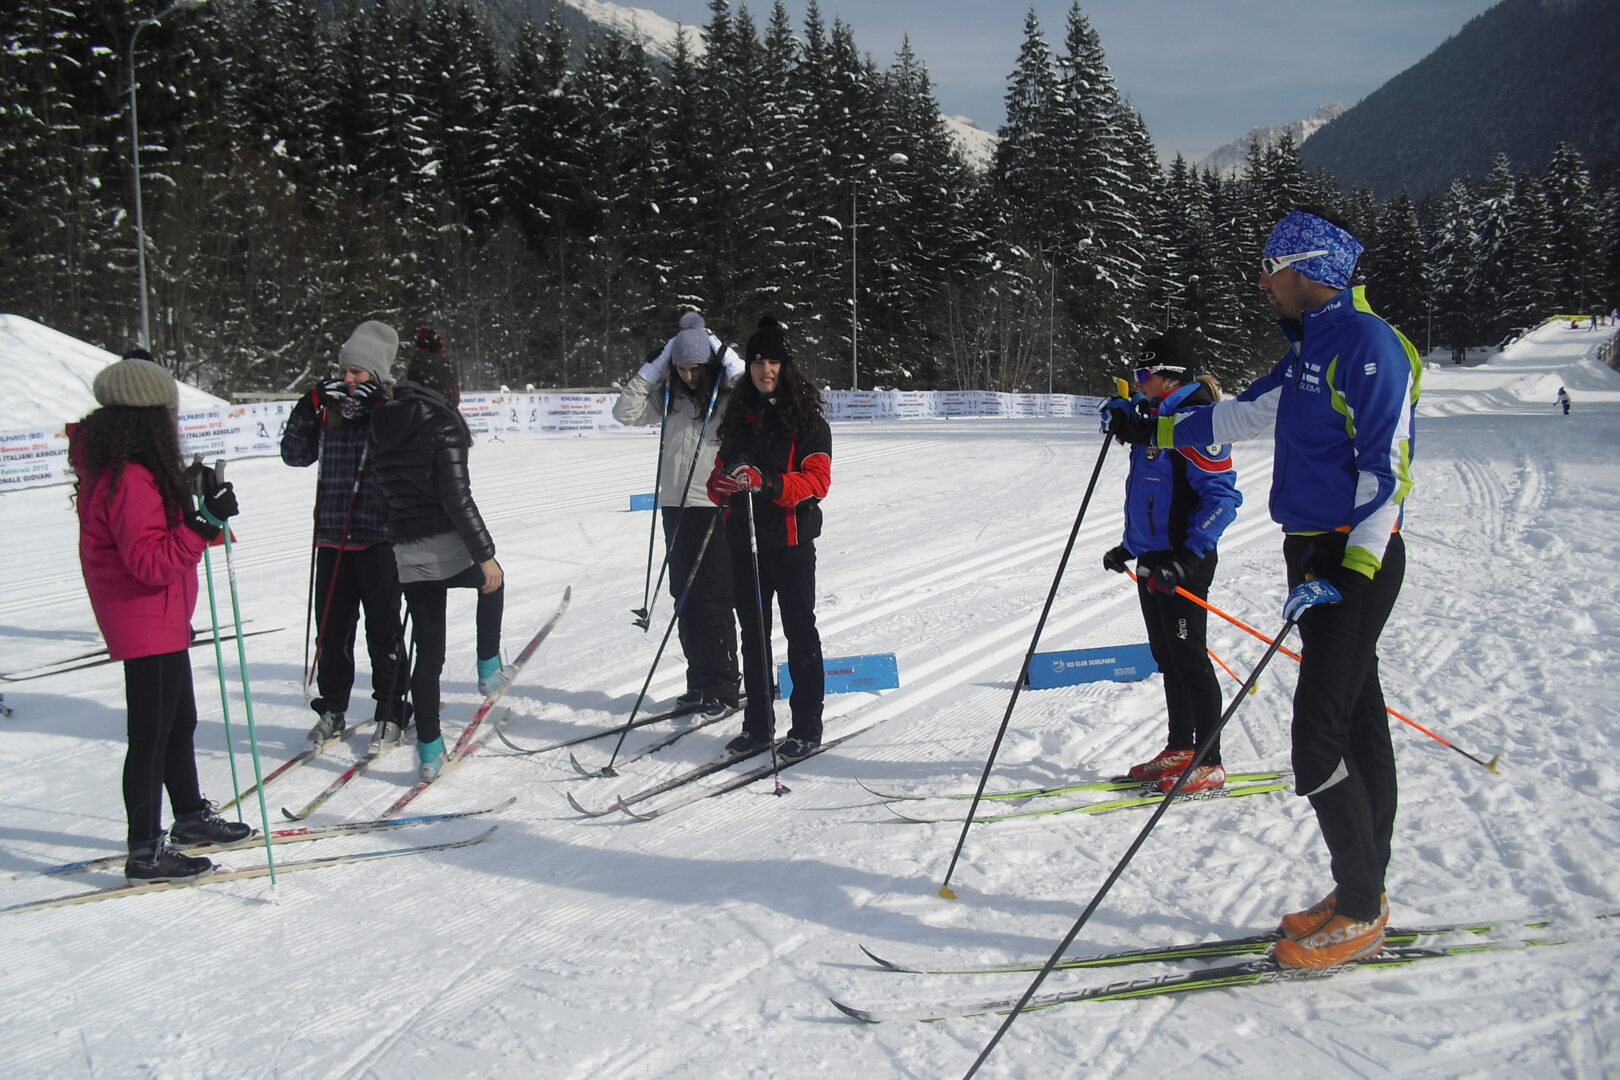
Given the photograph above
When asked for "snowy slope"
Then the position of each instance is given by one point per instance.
(45, 377)
(704, 944)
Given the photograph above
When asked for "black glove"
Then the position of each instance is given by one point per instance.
(202, 526)
(1127, 427)
(1116, 559)
(199, 478)
(1172, 569)
(220, 504)
(361, 400)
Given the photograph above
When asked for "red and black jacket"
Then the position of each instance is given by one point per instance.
(803, 461)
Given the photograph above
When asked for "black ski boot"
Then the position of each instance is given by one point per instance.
(157, 862)
(205, 826)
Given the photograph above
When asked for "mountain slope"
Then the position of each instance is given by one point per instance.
(1517, 79)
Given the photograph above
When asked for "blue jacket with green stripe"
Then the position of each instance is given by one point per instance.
(1343, 402)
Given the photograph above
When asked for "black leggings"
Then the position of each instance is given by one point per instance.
(426, 602)
(1343, 758)
(162, 724)
(1176, 630)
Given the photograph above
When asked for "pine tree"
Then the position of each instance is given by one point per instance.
(1528, 295)
(1455, 262)
(1577, 272)
(1398, 280)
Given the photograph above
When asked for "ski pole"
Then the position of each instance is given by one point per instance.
(1141, 838)
(337, 564)
(686, 490)
(309, 594)
(219, 652)
(764, 648)
(680, 604)
(247, 699)
(642, 613)
(1488, 766)
(1023, 672)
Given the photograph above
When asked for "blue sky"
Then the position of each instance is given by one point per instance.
(1202, 72)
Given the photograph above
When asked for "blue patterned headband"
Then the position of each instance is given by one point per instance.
(1301, 232)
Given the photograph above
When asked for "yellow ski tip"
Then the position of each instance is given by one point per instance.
(947, 892)
(1121, 387)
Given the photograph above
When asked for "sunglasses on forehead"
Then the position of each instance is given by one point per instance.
(1143, 374)
(1270, 264)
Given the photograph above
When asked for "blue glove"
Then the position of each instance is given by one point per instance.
(1112, 405)
(1308, 594)
(1123, 422)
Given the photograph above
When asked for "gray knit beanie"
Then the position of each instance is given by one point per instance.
(691, 346)
(137, 382)
(371, 347)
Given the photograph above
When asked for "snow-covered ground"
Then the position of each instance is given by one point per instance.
(704, 944)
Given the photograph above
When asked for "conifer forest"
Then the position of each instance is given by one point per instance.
(550, 205)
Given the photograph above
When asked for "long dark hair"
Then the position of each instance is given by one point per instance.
(116, 435)
(701, 387)
(796, 406)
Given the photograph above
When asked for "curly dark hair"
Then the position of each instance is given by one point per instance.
(795, 407)
(113, 436)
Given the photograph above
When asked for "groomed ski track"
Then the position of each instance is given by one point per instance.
(704, 944)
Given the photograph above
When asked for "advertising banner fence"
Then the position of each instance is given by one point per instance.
(37, 457)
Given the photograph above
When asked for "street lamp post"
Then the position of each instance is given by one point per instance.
(854, 271)
(135, 155)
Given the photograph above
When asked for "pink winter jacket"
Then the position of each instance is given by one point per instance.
(140, 568)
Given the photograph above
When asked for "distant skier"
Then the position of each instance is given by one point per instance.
(354, 564)
(699, 372)
(1177, 504)
(775, 459)
(140, 540)
(1563, 400)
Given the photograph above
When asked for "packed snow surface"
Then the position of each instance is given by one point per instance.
(704, 944)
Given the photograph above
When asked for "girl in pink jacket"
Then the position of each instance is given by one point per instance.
(140, 540)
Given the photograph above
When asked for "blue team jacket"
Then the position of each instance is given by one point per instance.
(1343, 401)
(1180, 498)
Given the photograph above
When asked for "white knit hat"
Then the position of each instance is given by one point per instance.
(371, 347)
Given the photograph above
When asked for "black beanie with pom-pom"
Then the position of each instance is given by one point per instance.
(769, 342)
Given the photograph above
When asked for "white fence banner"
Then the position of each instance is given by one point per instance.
(37, 457)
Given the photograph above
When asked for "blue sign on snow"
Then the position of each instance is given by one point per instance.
(1118, 663)
(850, 674)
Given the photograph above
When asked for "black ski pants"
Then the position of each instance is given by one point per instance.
(1176, 630)
(789, 575)
(162, 714)
(1343, 760)
(346, 581)
(707, 624)
(426, 601)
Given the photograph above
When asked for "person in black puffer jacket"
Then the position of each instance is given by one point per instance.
(440, 541)
(773, 469)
